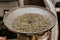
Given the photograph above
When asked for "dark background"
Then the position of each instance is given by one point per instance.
(58, 15)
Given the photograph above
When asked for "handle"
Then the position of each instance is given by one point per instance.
(21, 3)
(50, 6)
